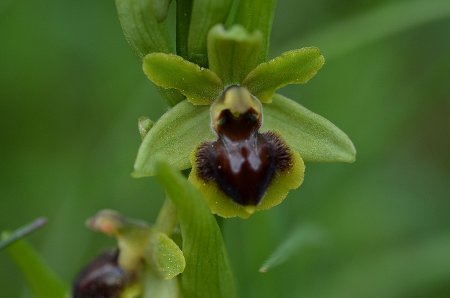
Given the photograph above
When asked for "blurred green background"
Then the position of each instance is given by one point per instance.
(71, 91)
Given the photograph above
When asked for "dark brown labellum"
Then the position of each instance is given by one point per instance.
(102, 278)
(243, 162)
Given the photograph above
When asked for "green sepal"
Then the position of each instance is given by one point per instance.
(204, 15)
(207, 272)
(277, 191)
(165, 257)
(141, 27)
(178, 133)
(233, 53)
(257, 15)
(200, 85)
(43, 282)
(292, 67)
(314, 137)
(174, 136)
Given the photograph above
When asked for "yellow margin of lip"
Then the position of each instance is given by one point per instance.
(277, 191)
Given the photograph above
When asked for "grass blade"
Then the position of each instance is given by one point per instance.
(43, 282)
(22, 232)
(382, 22)
(301, 237)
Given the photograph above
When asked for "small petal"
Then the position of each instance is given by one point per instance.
(200, 85)
(174, 136)
(314, 137)
(292, 67)
(167, 259)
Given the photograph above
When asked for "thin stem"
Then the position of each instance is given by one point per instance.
(167, 218)
(23, 231)
(184, 8)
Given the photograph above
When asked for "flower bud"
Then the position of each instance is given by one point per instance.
(103, 277)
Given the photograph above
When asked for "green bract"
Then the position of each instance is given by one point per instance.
(207, 273)
(140, 20)
(233, 56)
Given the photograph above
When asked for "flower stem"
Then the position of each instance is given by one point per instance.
(167, 218)
(184, 8)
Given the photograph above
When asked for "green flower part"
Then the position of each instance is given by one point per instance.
(138, 242)
(246, 152)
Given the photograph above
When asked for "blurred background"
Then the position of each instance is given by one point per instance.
(71, 90)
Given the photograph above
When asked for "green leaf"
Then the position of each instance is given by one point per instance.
(257, 15)
(200, 85)
(296, 66)
(314, 137)
(175, 135)
(207, 272)
(233, 53)
(161, 8)
(167, 258)
(141, 27)
(42, 281)
(204, 15)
